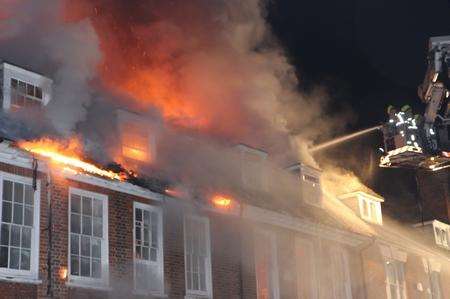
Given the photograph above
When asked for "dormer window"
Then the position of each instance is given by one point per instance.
(311, 188)
(441, 234)
(370, 210)
(21, 88)
(25, 94)
(368, 206)
(137, 142)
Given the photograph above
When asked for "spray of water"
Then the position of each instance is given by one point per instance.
(341, 139)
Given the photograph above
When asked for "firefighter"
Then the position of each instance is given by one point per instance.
(390, 129)
(407, 110)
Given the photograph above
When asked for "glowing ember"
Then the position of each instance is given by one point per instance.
(63, 273)
(67, 154)
(221, 201)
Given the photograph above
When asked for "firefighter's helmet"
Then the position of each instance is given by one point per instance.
(391, 109)
(406, 108)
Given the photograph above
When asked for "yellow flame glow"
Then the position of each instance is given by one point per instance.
(65, 153)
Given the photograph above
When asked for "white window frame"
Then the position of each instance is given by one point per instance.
(370, 204)
(160, 253)
(400, 286)
(208, 275)
(348, 288)
(103, 281)
(32, 274)
(274, 276)
(445, 229)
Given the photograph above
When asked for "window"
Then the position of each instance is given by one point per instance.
(441, 233)
(340, 274)
(88, 242)
(197, 256)
(435, 280)
(148, 250)
(395, 279)
(135, 142)
(266, 266)
(19, 235)
(306, 273)
(370, 210)
(25, 95)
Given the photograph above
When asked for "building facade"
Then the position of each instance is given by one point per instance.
(67, 234)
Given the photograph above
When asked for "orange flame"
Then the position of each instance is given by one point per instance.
(66, 154)
(221, 201)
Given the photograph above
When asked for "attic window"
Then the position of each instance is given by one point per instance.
(135, 143)
(370, 210)
(25, 95)
(441, 234)
(311, 179)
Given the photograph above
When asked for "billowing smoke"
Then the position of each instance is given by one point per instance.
(34, 35)
(212, 69)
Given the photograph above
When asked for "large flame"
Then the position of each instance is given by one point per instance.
(67, 154)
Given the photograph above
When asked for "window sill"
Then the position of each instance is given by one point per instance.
(84, 285)
(152, 294)
(20, 279)
(197, 296)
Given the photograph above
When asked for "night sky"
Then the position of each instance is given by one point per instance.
(368, 55)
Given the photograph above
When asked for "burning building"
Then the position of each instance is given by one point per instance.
(72, 228)
(122, 205)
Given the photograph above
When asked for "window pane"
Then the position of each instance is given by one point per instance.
(26, 237)
(75, 223)
(74, 244)
(146, 217)
(15, 256)
(138, 252)
(202, 282)
(96, 248)
(85, 267)
(7, 190)
(6, 212)
(15, 235)
(96, 268)
(25, 259)
(145, 253)
(98, 227)
(75, 203)
(5, 235)
(3, 256)
(29, 194)
(28, 215)
(87, 225)
(153, 254)
(138, 215)
(30, 90)
(74, 265)
(85, 246)
(98, 208)
(195, 281)
(18, 192)
(18, 214)
(13, 83)
(38, 93)
(87, 206)
(138, 234)
(146, 237)
(22, 86)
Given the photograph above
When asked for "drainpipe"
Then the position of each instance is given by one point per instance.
(49, 232)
